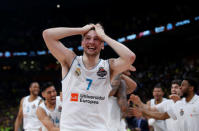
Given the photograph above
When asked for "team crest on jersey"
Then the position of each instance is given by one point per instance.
(78, 71)
(33, 106)
(181, 112)
(102, 72)
(59, 108)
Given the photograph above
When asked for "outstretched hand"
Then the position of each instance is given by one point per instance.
(135, 99)
(174, 97)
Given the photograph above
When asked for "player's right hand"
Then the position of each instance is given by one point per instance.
(87, 27)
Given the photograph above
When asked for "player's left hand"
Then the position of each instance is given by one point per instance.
(100, 31)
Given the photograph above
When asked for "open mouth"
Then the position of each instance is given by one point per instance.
(92, 48)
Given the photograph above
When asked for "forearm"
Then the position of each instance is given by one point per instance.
(155, 115)
(54, 129)
(125, 53)
(131, 85)
(17, 124)
(61, 32)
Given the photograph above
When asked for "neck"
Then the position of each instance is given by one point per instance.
(50, 106)
(189, 97)
(32, 97)
(158, 101)
(90, 61)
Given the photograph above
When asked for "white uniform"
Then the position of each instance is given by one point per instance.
(53, 115)
(115, 114)
(164, 107)
(85, 97)
(30, 120)
(186, 113)
(158, 125)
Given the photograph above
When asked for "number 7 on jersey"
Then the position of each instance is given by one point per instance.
(89, 83)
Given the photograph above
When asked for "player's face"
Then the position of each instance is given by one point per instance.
(157, 93)
(50, 95)
(185, 88)
(175, 89)
(34, 89)
(92, 44)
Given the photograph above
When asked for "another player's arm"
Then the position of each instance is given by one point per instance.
(45, 120)
(137, 101)
(155, 114)
(19, 118)
(126, 56)
(52, 38)
(122, 97)
(130, 84)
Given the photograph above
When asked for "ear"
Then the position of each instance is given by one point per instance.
(43, 94)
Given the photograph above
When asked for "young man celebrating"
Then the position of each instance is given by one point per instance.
(87, 79)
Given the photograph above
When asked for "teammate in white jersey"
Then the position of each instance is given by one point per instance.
(86, 79)
(27, 110)
(49, 111)
(158, 93)
(118, 102)
(162, 107)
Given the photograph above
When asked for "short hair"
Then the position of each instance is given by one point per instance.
(33, 83)
(46, 85)
(178, 82)
(159, 85)
(192, 78)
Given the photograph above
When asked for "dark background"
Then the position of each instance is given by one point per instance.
(160, 57)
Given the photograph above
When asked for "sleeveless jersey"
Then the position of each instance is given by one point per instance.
(85, 97)
(115, 114)
(53, 115)
(158, 125)
(30, 120)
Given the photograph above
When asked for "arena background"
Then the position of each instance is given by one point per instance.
(163, 35)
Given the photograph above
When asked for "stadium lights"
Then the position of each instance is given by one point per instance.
(121, 39)
(159, 29)
(131, 37)
(196, 18)
(180, 23)
(169, 26)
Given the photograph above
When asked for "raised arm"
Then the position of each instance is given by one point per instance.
(130, 84)
(19, 118)
(126, 56)
(52, 38)
(45, 120)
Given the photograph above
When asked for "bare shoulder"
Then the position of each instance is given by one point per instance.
(148, 102)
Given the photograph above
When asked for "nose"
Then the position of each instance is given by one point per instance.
(91, 41)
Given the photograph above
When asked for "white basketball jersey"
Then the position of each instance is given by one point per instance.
(115, 114)
(53, 115)
(85, 97)
(30, 120)
(158, 125)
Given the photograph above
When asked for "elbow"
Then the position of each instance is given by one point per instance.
(131, 58)
(46, 33)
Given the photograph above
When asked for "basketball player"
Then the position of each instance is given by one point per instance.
(27, 110)
(49, 111)
(118, 102)
(164, 106)
(86, 79)
(184, 111)
(158, 125)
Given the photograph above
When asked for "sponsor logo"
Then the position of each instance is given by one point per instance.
(74, 97)
(102, 72)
